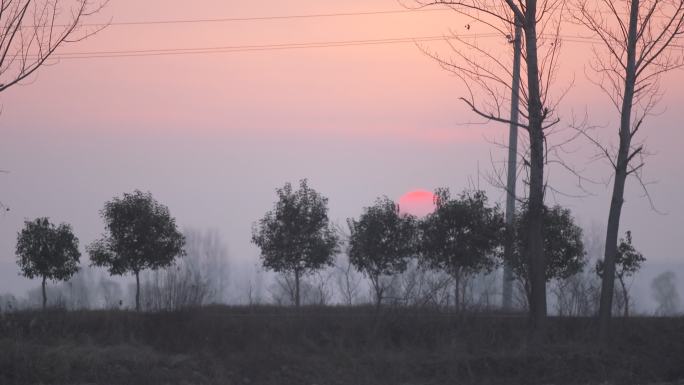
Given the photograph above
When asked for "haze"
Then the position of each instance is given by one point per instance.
(212, 135)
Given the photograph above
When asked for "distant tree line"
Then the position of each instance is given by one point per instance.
(406, 260)
(461, 239)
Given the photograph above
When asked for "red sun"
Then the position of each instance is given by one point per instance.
(417, 202)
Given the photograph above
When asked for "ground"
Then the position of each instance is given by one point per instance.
(330, 345)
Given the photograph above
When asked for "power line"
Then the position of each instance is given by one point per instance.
(285, 17)
(295, 45)
(265, 18)
(261, 47)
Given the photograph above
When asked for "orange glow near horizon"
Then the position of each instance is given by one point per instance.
(417, 202)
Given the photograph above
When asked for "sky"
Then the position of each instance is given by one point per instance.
(212, 135)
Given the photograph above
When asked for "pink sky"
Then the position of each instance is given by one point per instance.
(213, 135)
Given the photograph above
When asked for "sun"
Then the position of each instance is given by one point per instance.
(417, 202)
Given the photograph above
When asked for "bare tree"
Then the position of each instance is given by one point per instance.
(174, 287)
(208, 255)
(33, 30)
(488, 78)
(200, 278)
(664, 289)
(8, 303)
(578, 295)
(347, 278)
(255, 287)
(636, 37)
(348, 281)
(110, 293)
(313, 290)
(283, 289)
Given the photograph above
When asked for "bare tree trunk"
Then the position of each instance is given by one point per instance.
(528, 293)
(296, 287)
(536, 258)
(137, 290)
(378, 297)
(44, 293)
(625, 296)
(608, 284)
(507, 292)
(457, 292)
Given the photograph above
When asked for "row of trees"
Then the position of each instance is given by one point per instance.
(463, 237)
(201, 277)
(634, 43)
(460, 239)
(141, 234)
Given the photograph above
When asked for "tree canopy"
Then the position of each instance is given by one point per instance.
(47, 251)
(296, 236)
(381, 242)
(141, 234)
(627, 260)
(463, 234)
(563, 245)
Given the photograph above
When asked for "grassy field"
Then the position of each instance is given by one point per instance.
(331, 345)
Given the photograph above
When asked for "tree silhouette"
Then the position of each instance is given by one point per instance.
(381, 242)
(141, 235)
(563, 246)
(462, 236)
(627, 262)
(638, 45)
(296, 237)
(664, 290)
(47, 251)
(488, 81)
(33, 30)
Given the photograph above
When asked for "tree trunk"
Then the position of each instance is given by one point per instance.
(536, 258)
(625, 296)
(528, 292)
(378, 297)
(507, 292)
(44, 293)
(457, 292)
(296, 287)
(137, 291)
(608, 284)
(375, 281)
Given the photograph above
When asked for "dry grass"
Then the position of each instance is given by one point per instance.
(331, 345)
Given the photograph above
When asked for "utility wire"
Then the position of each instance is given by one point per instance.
(264, 18)
(287, 17)
(296, 45)
(283, 17)
(262, 47)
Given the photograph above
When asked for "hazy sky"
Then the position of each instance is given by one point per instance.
(212, 135)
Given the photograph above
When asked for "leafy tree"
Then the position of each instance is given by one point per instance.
(142, 234)
(627, 262)
(563, 246)
(381, 242)
(462, 236)
(47, 251)
(296, 237)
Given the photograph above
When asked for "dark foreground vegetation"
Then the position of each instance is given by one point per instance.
(331, 345)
